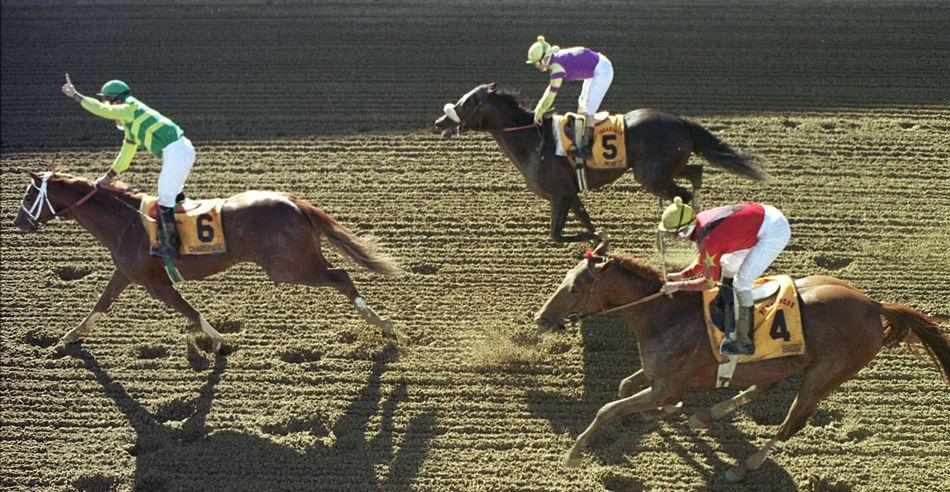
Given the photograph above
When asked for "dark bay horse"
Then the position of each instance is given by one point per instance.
(278, 231)
(658, 147)
(843, 328)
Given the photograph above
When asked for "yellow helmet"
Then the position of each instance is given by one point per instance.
(677, 216)
(538, 50)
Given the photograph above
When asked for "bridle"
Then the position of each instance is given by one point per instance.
(578, 316)
(42, 196)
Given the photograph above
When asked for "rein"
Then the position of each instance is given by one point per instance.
(76, 205)
(42, 196)
(574, 317)
(625, 306)
(517, 128)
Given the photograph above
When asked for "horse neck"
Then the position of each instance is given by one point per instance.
(102, 215)
(657, 322)
(521, 146)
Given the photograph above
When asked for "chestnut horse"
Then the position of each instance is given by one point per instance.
(278, 231)
(658, 147)
(843, 328)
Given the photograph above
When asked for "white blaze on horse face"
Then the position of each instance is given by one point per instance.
(449, 110)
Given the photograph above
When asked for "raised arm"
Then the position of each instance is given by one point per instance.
(120, 112)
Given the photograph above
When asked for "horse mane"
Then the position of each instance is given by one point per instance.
(117, 187)
(513, 98)
(629, 264)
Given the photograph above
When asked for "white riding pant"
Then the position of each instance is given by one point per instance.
(745, 266)
(595, 88)
(177, 159)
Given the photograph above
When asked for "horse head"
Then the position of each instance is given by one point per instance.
(49, 195)
(468, 113)
(599, 284)
(579, 293)
(36, 207)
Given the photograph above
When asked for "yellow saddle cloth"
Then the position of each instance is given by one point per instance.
(609, 149)
(198, 224)
(777, 330)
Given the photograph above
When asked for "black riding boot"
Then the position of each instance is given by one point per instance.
(742, 345)
(169, 248)
(585, 144)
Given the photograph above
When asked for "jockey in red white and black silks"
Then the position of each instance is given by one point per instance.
(735, 242)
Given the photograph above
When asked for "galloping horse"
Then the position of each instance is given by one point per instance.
(658, 146)
(278, 231)
(844, 330)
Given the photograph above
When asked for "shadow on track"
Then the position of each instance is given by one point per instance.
(196, 456)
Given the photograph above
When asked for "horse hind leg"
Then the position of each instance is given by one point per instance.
(693, 173)
(818, 381)
(339, 279)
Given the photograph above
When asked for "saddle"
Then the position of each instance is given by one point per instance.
(609, 149)
(198, 222)
(777, 328)
(717, 307)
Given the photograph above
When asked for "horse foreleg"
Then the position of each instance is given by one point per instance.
(701, 419)
(647, 399)
(116, 285)
(174, 300)
(636, 382)
(632, 383)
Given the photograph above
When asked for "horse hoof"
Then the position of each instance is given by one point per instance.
(756, 460)
(572, 460)
(697, 423)
(736, 473)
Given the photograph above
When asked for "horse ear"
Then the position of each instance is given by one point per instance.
(601, 249)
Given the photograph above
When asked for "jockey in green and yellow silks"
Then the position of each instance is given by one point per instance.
(577, 63)
(144, 127)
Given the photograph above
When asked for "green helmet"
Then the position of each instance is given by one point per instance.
(538, 50)
(115, 89)
(677, 216)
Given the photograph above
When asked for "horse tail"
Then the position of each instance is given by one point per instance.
(720, 154)
(900, 321)
(362, 250)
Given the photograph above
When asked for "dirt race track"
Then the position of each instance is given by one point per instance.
(847, 105)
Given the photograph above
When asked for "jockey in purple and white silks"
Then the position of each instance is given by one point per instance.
(577, 63)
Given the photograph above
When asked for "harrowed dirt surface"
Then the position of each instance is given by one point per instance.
(845, 105)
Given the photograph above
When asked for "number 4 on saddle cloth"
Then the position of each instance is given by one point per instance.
(777, 329)
(609, 150)
(198, 223)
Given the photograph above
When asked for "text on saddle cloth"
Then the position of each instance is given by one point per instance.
(609, 148)
(198, 223)
(777, 329)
